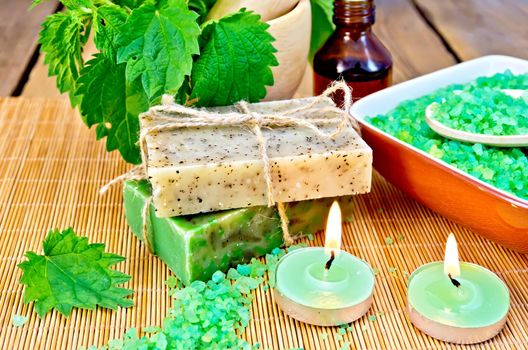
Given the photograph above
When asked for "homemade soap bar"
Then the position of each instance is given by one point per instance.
(196, 246)
(206, 169)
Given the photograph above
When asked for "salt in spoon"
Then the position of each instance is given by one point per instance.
(465, 136)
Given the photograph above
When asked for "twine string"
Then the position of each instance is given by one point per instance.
(136, 173)
(243, 107)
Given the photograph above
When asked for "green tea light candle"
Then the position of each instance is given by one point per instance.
(461, 303)
(324, 286)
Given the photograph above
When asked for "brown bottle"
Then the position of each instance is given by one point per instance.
(353, 52)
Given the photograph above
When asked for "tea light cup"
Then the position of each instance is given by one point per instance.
(461, 303)
(324, 286)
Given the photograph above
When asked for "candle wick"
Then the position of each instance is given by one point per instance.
(454, 281)
(330, 261)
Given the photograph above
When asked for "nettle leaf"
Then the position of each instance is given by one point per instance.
(130, 4)
(73, 273)
(75, 4)
(322, 24)
(107, 23)
(234, 64)
(113, 104)
(158, 44)
(62, 38)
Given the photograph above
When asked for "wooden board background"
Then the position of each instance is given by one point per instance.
(19, 29)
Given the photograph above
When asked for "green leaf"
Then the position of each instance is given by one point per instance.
(62, 38)
(234, 64)
(76, 4)
(108, 22)
(113, 104)
(158, 44)
(322, 24)
(73, 273)
(129, 4)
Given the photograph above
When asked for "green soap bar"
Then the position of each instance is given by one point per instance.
(196, 246)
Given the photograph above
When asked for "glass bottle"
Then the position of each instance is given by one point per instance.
(353, 52)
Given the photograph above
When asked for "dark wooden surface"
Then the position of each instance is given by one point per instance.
(422, 35)
(19, 29)
(473, 28)
(415, 47)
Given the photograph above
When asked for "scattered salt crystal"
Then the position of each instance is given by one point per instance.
(345, 346)
(218, 276)
(244, 270)
(171, 282)
(19, 320)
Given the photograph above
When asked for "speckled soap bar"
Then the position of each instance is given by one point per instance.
(196, 246)
(205, 169)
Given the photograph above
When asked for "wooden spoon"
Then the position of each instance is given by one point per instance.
(465, 136)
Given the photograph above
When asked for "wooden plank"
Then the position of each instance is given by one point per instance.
(474, 28)
(19, 29)
(415, 47)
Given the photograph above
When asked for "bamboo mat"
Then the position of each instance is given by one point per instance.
(51, 168)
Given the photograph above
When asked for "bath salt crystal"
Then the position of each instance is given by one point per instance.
(19, 320)
(211, 168)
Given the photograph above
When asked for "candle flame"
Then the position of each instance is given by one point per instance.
(451, 262)
(333, 230)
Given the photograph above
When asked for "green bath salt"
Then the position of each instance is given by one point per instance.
(478, 106)
(483, 110)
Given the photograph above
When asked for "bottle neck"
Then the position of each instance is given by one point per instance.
(356, 15)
